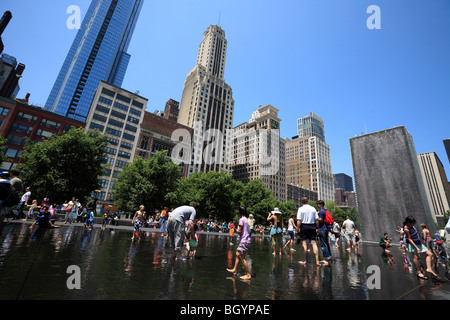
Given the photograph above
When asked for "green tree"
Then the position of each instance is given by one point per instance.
(3, 156)
(146, 182)
(64, 166)
(258, 200)
(217, 193)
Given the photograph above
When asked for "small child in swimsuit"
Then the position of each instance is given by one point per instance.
(193, 242)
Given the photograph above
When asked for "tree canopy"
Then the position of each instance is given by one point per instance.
(146, 182)
(64, 166)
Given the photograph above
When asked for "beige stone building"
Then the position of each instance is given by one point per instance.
(118, 113)
(258, 152)
(308, 165)
(437, 187)
(207, 104)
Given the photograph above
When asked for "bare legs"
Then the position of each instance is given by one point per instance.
(305, 252)
(240, 258)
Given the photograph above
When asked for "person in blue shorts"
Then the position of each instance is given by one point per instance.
(91, 207)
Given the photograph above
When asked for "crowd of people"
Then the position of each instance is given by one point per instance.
(313, 229)
(410, 240)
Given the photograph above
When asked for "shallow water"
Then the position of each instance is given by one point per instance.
(34, 265)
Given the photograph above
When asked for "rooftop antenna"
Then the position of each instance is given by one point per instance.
(220, 13)
(365, 128)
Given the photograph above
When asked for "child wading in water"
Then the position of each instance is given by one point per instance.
(415, 246)
(244, 245)
(193, 241)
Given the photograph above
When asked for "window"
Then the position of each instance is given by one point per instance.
(43, 133)
(118, 114)
(102, 109)
(108, 160)
(130, 128)
(115, 123)
(4, 111)
(103, 183)
(135, 112)
(121, 164)
(124, 154)
(108, 92)
(96, 126)
(13, 153)
(120, 106)
(144, 143)
(26, 117)
(114, 132)
(126, 145)
(128, 136)
(133, 120)
(50, 124)
(105, 101)
(137, 104)
(112, 141)
(110, 150)
(123, 99)
(99, 117)
(21, 128)
(17, 140)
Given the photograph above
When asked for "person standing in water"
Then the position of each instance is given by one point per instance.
(244, 245)
(415, 246)
(138, 222)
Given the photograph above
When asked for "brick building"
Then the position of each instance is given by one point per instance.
(20, 122)
(156, 135)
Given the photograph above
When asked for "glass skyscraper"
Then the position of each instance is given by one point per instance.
(311, 125)
(97, 53)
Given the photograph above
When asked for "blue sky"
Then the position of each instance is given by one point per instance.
(301, 56)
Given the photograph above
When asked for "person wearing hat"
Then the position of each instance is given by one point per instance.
(276, 231)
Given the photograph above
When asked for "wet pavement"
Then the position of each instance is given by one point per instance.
(40, 264)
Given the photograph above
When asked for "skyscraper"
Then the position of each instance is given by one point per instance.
(344, 181)
(258, 152)
(308, 158)
(447, 148)
(98, 53)
(436, 184)
(311, 125)
(308, 165)
(388, 182)
(207, 103)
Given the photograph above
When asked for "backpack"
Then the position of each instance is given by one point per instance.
(328, 218)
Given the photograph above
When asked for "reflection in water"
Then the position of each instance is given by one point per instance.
(33, 266)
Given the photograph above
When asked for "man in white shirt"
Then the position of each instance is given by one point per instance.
(23, 201)
(308, 225)
(349, 227)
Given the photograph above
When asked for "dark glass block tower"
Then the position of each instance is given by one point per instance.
(97, 53)
(388, 183)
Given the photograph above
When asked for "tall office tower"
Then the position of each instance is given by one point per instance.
(447, 148)
(388, 182)
(308, 165)
(258, 152)
(98, 53)
(311, 125)
(117, 113)
(436, 184)
(3, 23)
(344, 181)
(207, 104)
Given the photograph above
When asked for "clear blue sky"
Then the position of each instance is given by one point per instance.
(300, 56)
